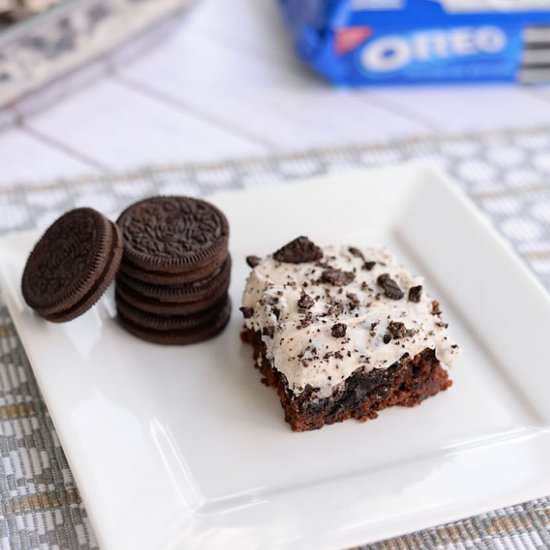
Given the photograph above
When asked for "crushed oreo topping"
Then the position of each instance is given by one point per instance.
(337, 277)
(333, 316)
(253, 261)
(397, 329)
(338, 330)
(436, 310)
(305, 301)
(247, 312)
(353, 302)
(415, 293)
(298, 251)
(356, 252)
(306, 321)
(390, 287)
(336, 308)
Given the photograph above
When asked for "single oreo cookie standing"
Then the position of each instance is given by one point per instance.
(72, 265)
(173, 234)
(189, 292)
(179, 337)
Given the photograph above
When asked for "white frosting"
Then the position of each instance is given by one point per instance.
(308, 353)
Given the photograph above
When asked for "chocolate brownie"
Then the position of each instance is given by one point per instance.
(361, 396)
(343, 332)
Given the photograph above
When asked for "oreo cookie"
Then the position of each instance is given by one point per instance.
(156, 307)
(186, 336)
(171, 279)
(72, 264)
(173, 234)
(189, 292)
(170, 322)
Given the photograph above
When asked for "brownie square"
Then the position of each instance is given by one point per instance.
(343, 332)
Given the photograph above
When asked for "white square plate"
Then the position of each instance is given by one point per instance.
(184, 448)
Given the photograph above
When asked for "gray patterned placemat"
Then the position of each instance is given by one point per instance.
(507, 174)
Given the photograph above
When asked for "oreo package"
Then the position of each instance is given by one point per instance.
(368, 42)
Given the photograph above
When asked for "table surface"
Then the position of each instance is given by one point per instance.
(221, 81)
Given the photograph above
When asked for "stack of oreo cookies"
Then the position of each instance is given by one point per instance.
(172, 285)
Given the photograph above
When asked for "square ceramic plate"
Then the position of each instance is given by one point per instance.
(184, 448)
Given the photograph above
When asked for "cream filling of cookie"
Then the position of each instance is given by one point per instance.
(319, 326)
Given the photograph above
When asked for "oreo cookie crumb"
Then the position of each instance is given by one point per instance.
(306, 321)
(305, 301)
(337, 277)
(353, 300)
(335, 308)
(298, 251)
(268, 331)
(390, 287)
(247, 312)
(253, 261)
(356, 252)
(396, 329)
(368, 265)
(415, 293)
(338, 330)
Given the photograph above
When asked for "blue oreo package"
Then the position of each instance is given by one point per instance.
(369, 42)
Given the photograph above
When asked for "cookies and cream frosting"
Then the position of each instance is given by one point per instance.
(321, 320)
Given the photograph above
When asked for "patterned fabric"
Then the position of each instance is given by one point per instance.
(506, 174)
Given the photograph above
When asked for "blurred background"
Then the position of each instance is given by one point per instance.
(98, 86)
